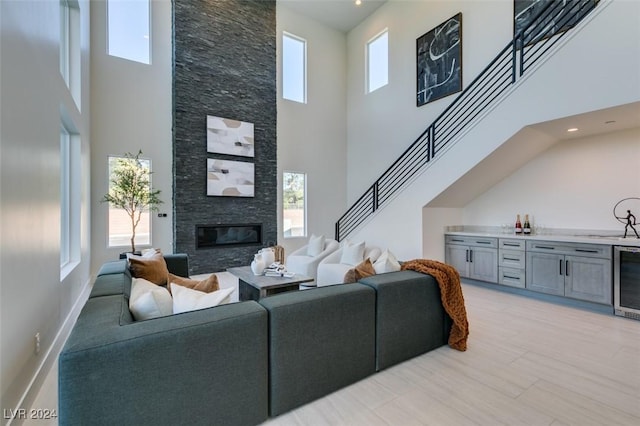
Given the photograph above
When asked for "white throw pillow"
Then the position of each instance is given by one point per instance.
(186, 299)
(352, 254)
(149, 300)
(387, 262)
(316, 245)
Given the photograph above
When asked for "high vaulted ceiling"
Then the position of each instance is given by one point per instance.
(343, 15)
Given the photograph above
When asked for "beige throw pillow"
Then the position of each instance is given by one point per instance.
(207, 285)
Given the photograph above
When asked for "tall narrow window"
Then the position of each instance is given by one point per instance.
(294, 68)
(70, 206)
(377, 61)
(120, 225)
(65, 197)
(65, 34)
(70, 68)
(294, 209)
(129, 30)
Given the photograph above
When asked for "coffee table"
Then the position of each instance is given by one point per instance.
(255, 287)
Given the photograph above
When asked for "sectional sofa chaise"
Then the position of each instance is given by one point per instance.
(239, 363)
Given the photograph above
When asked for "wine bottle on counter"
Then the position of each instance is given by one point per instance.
(526, 229)
(518, 226)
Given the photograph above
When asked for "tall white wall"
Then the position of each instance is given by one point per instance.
(131, 110)
(382, 124)
(573, 185)
(569, 83)
(33, 297)
(312, 136)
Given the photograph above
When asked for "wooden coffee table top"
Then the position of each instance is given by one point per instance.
(261, 282)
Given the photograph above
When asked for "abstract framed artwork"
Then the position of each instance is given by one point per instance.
(227, 178)
(232, 137)
(528, 15)
(439, 61)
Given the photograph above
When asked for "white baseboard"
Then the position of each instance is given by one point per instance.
(51, 356)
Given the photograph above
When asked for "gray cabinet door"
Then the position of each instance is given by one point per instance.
(483, 264)
(588, 279)
(545, 273)
(457, 256)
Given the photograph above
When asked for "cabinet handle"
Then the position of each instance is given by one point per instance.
(483, 242)
(515, 259)
(511, 245)
(566, 267)
(457, 241)
(545, 247)
(471, 256)
(586, 251)
(512, 278)
(466, 253)
(561, 267)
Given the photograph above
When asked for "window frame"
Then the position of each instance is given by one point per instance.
(148, 36)
(304, 204)
(70, 196)
(127, 242)
(293, 37)
(368, 61)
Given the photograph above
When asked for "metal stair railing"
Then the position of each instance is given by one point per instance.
(530, 45)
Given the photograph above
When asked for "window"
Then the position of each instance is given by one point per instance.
(128, 29)
(294, 209)
(65, 197)
(294, 68)
(69, 198)
(377, 55)
(65, 31)
(70, 47)
(119, 220)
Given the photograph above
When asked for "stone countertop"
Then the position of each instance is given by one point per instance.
(595, 237)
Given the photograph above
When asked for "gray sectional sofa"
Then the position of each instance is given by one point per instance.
(240, 363)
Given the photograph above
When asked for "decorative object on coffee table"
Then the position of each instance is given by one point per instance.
(255, 287)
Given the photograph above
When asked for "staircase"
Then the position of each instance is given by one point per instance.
(529, 46)
(485, 102)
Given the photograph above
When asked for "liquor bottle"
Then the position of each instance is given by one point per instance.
(526, 229)
(518, 226)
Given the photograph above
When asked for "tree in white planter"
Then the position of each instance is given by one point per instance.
(130, 190)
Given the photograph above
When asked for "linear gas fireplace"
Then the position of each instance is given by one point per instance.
(225, 235)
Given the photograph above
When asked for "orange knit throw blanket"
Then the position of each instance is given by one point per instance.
(448, 280)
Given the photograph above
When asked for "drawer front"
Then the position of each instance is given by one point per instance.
(512, 277)
(454, 239)
(577, 249)
(511, 258)
(507, 244)
(472, 241)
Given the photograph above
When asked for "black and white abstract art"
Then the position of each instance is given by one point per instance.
(439, 60)
(538, 23)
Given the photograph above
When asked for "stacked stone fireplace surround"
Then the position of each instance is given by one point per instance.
(224, 65)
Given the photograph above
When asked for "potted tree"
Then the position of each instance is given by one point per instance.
(130, 190)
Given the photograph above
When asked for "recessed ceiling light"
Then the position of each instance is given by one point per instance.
(358, 2)
(573, 129)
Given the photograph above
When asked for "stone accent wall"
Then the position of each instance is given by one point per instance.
(224, 65)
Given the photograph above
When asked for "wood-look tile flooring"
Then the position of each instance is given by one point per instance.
(528, 362)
